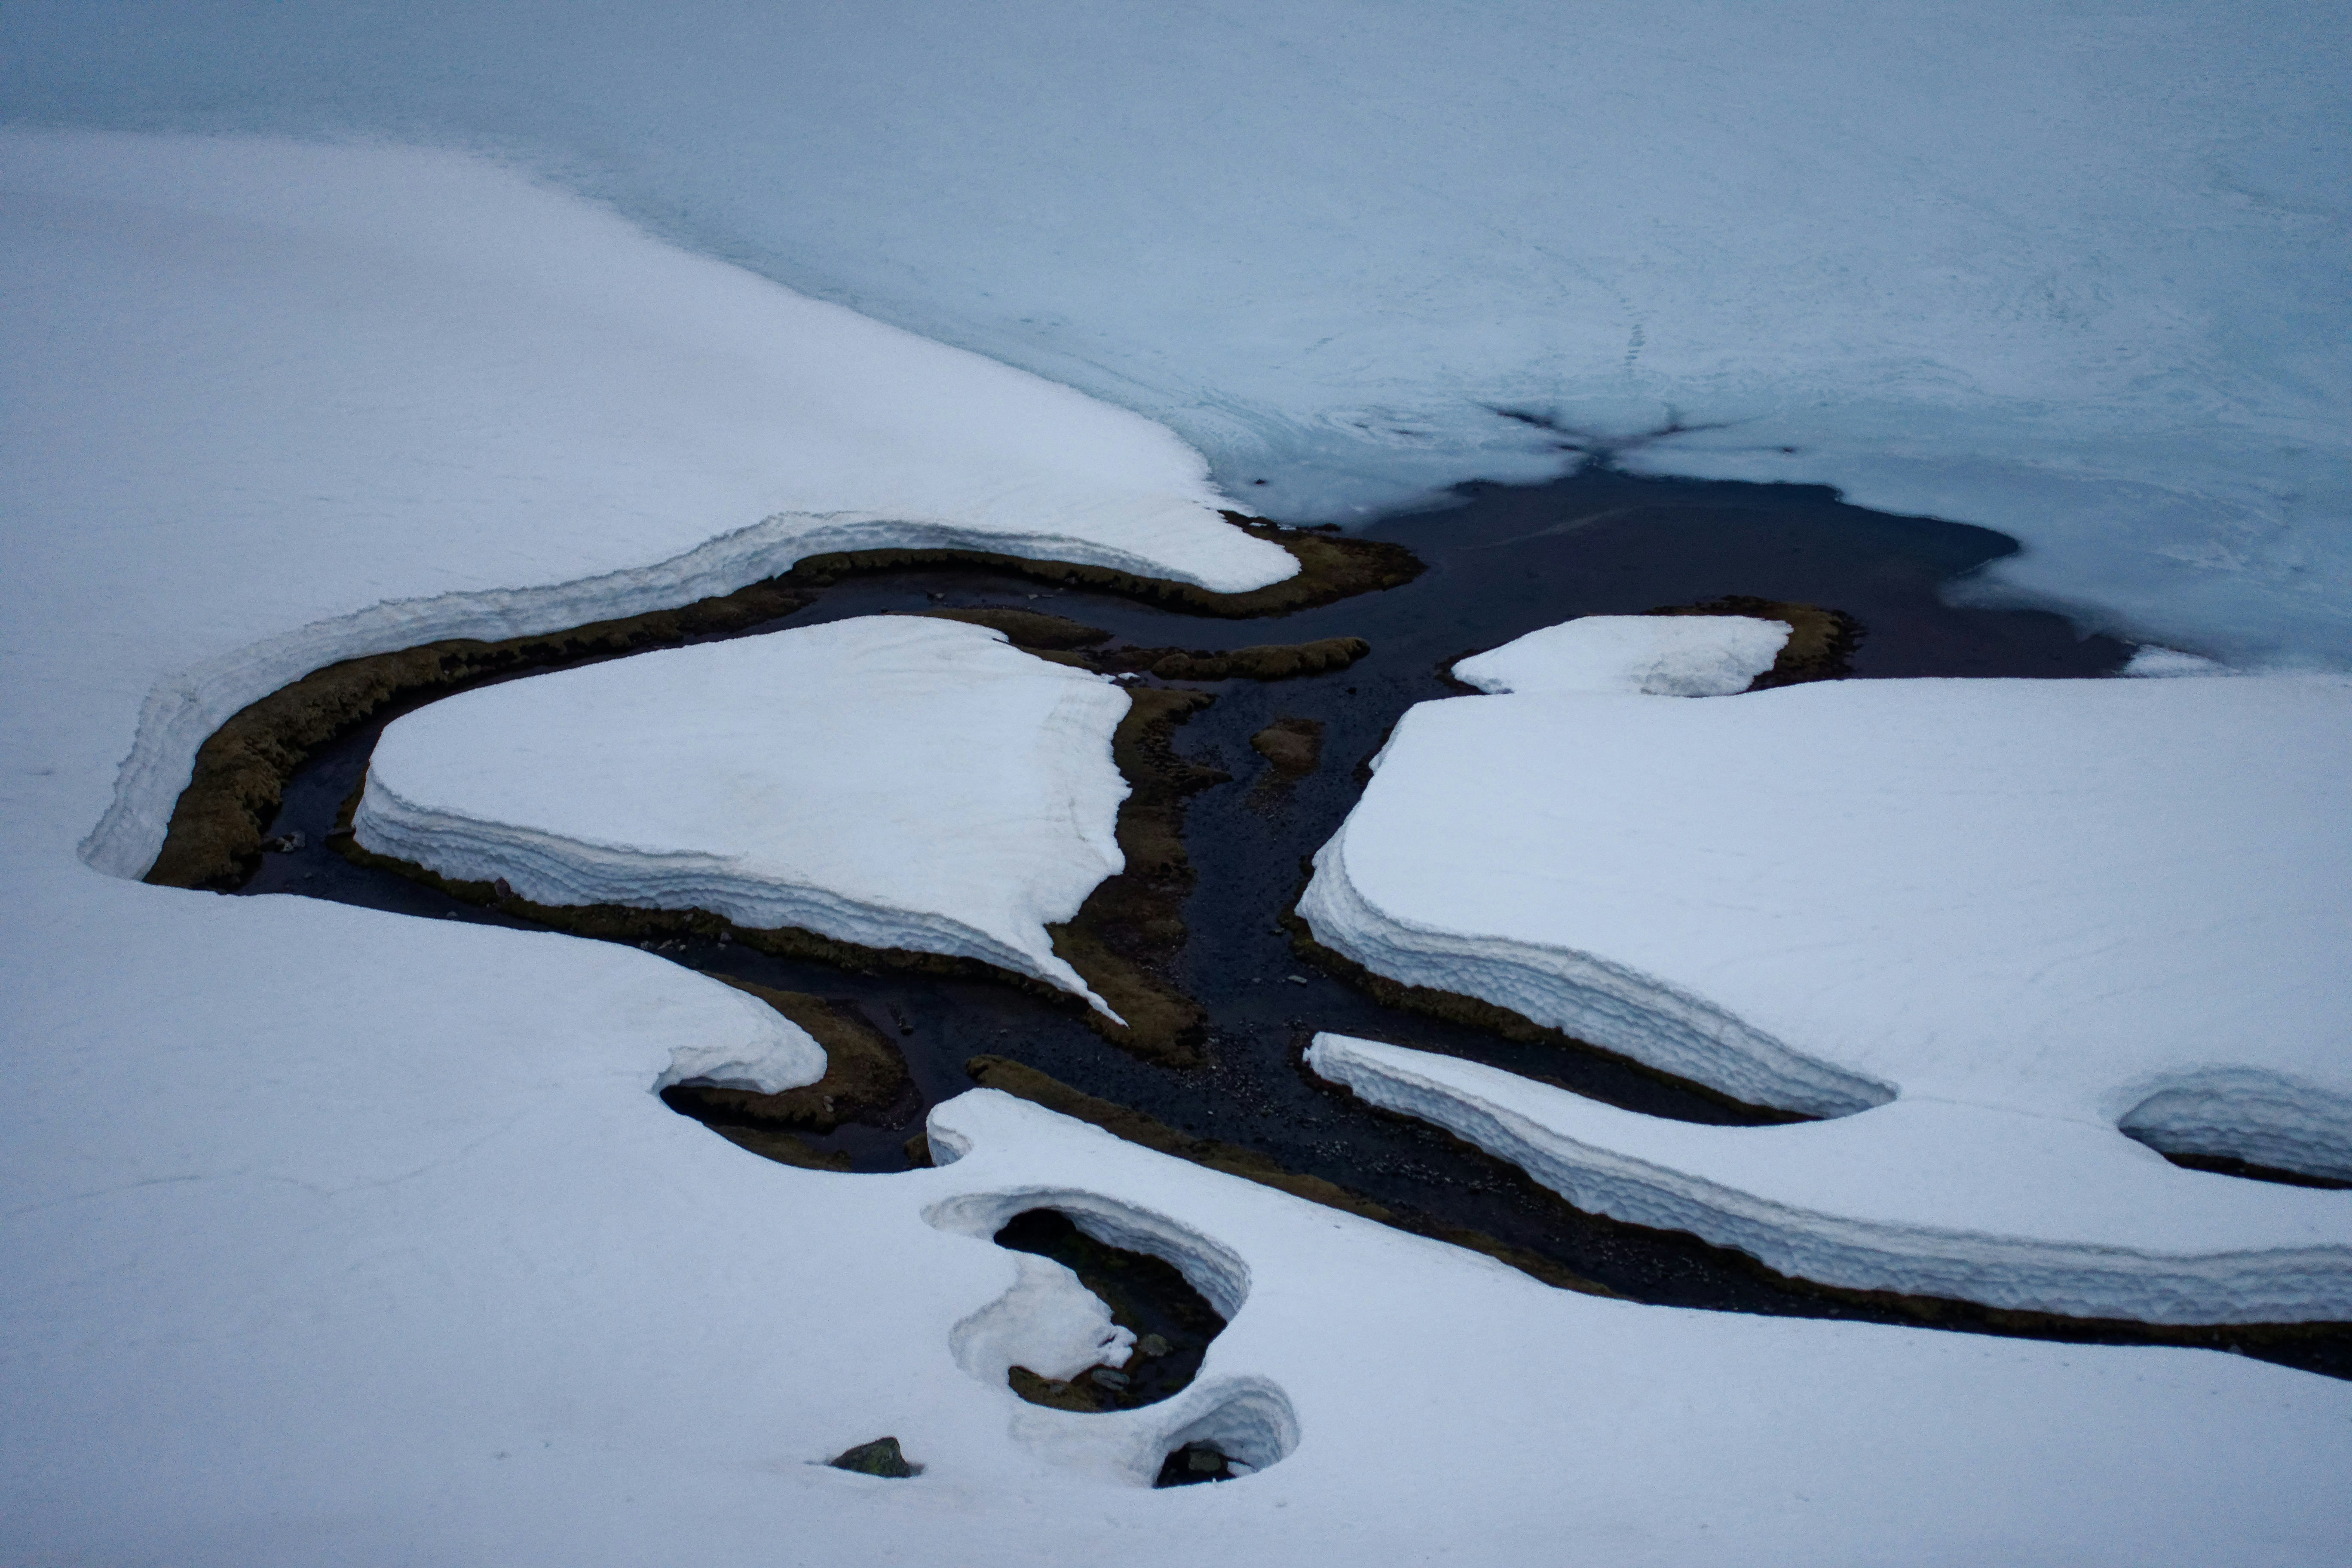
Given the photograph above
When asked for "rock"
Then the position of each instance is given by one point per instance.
(1053, 1393)
(1151, 1346)
(1109, 1377)
(879, 1458)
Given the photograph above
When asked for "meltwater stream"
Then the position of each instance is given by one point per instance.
(1502, 561)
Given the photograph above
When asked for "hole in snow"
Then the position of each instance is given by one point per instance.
(1247, 1426)
(1158, 1326)
(2249, 1122)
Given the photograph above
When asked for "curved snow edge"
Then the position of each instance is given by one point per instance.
(549, 870)
(2285, 1285)
(182, 712)
(2262, 1117)
(1584, 994)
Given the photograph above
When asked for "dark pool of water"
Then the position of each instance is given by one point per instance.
(1173, 1323)
(1503, 562)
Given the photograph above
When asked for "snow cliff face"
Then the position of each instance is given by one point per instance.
(2076, 273)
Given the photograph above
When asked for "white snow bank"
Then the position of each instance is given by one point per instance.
(1926, 1198)
(324, 402)
(890, 781)
(2073, 272)
(2041, 910)
(1659, 655)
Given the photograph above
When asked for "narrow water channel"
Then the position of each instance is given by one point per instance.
(1502, 561)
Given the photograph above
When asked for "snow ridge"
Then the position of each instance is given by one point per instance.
(1610, 1004)
(1489, 1108)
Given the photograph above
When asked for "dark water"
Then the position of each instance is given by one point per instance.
(1506, 561)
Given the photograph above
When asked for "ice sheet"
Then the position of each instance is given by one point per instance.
(2077, 273)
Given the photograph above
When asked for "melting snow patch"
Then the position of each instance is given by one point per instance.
(891, 781)
(1048, 1321)
(1660, 656)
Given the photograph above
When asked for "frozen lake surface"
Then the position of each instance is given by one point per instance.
(2076, 274)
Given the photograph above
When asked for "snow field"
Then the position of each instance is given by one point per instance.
(358, 399)
(1657, 655)
(890, 781)
(338, 1235)
(2039, 912)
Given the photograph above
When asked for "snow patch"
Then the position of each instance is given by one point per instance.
(1657, 655)
(2153, 661)
(2039, 909)
(890, 781)
(1048, 1321)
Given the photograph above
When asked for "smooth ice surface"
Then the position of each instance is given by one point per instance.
(1657, 655)
(890, 780)
(2041, 912)
(362, 399)
(2075, 273)
(334, 1235)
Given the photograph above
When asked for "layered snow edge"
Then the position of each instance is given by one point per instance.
(564, 873)
(1489, 1108)
(1581, 993)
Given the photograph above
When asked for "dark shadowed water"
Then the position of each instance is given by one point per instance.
(1503, 563)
